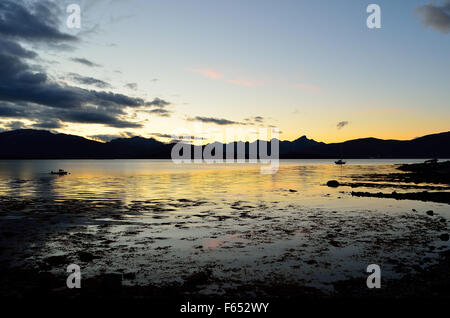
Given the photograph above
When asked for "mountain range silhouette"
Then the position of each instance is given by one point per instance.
(42, 144)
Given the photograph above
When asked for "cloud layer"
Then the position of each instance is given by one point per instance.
(342, 124)
(86, 80)
(84, 61)
(30, 93)
(217, 121)
(435, 16)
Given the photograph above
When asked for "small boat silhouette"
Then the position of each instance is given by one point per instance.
(340, 162)
(431, 161)
(60, 172)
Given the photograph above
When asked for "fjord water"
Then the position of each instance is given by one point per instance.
(298, 181)
(130, 180)
(176, 219)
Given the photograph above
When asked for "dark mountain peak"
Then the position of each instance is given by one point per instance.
(136, 140)
(362, 140)
(138, 147)
(305, 141)
(302, 138)
(27, 132)
(43, 144)
(38, 135)
(441, 135)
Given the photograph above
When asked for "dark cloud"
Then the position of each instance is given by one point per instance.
(162, 135)
(86, 80)
(47, 116)
(254, 120)
(29, 93)
(84, 62)
(14, 125)
(157, 102)
(49, 124)
(12, 111)
(158, 107)
(160, 112)
(19, 83)
(38, 21)
(342, 124)
(131, 86)
(13, 49)
(33, 95)
(217, 121)
(435, 16)
(85, 116)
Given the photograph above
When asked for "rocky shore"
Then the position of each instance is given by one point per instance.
(176, 249)
(441, 197)
(433, 178)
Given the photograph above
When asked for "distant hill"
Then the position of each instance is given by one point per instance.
(41, 144)
(137, 147)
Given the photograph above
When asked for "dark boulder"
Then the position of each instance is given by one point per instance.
(129, 276)
(111, 281)
(333, 183)
(85, 256)
(58, 260)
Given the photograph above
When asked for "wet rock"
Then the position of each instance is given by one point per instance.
(333, 183)
(442, 220)
(444, 237)
(198, 278)
(129, 276)
(112, 281)
(56, 260)
(430, 212)
(441, 197)
(85, 256)
(335, 243)
(417, 268)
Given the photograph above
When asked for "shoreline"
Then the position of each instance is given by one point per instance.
(124, 247)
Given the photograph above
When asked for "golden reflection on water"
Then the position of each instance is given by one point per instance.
(128, 180)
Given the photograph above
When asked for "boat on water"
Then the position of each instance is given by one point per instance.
(340, 162)
(60, 172)
(431, 161)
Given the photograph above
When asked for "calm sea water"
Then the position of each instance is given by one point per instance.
(133, 180)
(148, 179)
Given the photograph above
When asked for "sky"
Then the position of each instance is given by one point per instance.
(154, 68)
